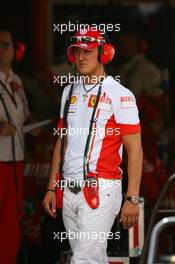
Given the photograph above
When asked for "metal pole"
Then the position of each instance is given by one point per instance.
(155, 236)
(153, 217)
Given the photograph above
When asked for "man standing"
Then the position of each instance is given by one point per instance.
(13, 113)
(96, 152)
(138, 73)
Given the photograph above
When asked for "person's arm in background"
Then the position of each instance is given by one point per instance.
(130, 211)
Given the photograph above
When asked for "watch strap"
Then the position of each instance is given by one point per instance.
(134, 199)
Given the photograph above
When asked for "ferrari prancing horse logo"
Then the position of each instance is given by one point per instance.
(92, 100)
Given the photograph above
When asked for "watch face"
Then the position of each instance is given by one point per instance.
(135, 200)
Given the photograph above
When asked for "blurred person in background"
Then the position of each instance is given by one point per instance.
(13, 114)
(137, 72)
(153, 173)
(144, 79)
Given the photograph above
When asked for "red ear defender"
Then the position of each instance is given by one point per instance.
(70, 56)
(107, 53)
(20, 51)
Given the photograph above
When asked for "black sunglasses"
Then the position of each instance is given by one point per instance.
(85, 39)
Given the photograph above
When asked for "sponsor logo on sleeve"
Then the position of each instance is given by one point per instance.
(127, 102)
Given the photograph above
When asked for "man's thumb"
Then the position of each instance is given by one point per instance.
(54, 205)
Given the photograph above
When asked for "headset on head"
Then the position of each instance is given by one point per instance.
(106, 51)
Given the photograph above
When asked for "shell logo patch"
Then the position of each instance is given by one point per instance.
(73, 99)
(92, 101)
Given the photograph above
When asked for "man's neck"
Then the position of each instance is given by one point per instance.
(95, 77)
(6, 71)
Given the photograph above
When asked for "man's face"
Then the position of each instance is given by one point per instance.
(86, 60)
(6, 49)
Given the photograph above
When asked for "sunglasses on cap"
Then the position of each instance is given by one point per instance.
(85, 39)
(5, 45)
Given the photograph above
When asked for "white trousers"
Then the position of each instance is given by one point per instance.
(87, 228)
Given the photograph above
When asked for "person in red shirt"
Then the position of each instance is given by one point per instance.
(13, 113)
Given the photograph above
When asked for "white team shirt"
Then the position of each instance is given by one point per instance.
(18, 114)
(116, 115)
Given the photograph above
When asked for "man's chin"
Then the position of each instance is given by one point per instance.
(83, 72)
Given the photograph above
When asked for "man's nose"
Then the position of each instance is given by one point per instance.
(81, 54)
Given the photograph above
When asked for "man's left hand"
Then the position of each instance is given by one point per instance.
(129, 214)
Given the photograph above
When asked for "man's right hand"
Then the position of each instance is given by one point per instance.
(49, 203)
(7, 129)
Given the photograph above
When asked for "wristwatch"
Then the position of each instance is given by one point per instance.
(134, 199)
